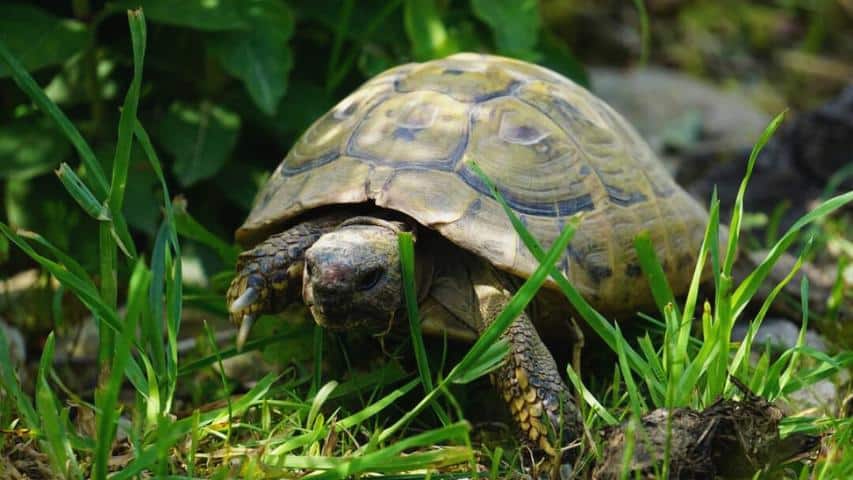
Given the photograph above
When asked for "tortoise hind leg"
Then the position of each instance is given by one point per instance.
(529, 380)
(269, 276)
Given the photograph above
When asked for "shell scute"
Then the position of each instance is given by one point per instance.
(528, 156)
(406, 130)
(324, 140)
(464, 77)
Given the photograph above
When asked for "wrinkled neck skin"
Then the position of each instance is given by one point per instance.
(352, 277)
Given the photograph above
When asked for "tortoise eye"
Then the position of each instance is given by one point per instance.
(370, 279)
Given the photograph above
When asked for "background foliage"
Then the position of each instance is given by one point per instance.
(228, 87)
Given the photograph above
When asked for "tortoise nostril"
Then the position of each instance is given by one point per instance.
(369, 279)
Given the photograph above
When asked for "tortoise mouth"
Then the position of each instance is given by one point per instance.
(349, 319)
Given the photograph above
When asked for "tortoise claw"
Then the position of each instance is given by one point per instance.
(245, 328)
(245, 300)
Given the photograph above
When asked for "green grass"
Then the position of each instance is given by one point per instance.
(337, 425)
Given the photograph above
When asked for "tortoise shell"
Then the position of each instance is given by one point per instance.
(405, 141)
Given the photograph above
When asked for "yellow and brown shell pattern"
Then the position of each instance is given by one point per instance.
(406, 139)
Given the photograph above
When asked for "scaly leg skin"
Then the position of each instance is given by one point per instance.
(529, 380)
(269, 276)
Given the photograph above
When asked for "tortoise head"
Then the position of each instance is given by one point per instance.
(352, 276)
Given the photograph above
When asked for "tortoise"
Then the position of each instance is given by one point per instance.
(396, 155)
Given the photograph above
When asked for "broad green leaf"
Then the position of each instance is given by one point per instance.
(259, 57)
(209, 15)
(37, 38)
(514, 23)
(29, 147)
(426, 30)
(200, 138)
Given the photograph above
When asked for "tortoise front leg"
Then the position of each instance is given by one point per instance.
(529, 380)
(269, 276)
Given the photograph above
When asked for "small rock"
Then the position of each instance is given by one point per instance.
(780, 333)
(682, 118)
(821, 396)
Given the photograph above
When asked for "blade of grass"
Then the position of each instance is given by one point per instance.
(656, 368)
(375, 407)
(827, 366)
(391, 458)
(110, 235)
(753, 281)
(661, 290)
(127, 119)
(153, 411)
(171, 266)
(106, 396)
(708, 243)
(63, 259)
(225, 391)
(109, 296)
(638, 405)
(589, 398)
(523, 296)
(491, 359)
(12, 387)
(737, 209)
(743, 352)
(789, 372)
(407, 264)
(169, 434)
(55, 434)
(153, 331)
(317, 371)
(318, 401)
